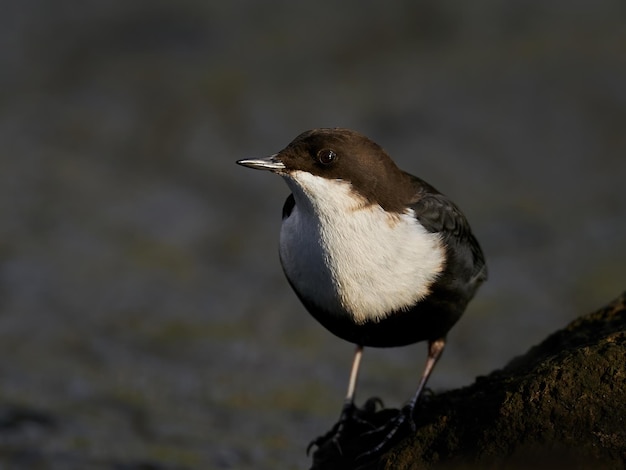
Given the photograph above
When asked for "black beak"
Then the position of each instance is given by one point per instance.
(271, 163)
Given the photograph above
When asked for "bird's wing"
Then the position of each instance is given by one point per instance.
(439, 214)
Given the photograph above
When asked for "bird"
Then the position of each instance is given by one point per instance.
(376, 255)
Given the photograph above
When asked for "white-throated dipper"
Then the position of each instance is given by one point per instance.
(378, 256)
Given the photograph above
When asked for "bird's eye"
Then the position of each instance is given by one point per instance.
(326, 156)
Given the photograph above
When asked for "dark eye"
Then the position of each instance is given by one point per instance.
(326, 156)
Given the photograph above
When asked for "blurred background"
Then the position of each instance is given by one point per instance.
(144, 318)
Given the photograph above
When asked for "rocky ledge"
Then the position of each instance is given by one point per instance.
(560, 405)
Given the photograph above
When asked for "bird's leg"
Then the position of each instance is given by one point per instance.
(435, 349)
(348, 409)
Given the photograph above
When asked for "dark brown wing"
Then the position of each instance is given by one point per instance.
(439, 214)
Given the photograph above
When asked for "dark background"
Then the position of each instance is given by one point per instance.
(143, 312)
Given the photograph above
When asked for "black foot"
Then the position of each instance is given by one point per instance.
(335, 432)
(350, 420)
(389, 433)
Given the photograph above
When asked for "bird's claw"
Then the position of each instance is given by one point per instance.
(347, 414)
(372, 404)
(389, 430)
(350, 415)
(331, 435)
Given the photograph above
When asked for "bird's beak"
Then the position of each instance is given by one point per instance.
(271, 163)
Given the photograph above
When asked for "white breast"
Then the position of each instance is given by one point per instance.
(350, 257)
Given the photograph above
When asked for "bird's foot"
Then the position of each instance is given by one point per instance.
(351, 417)
(390, 432)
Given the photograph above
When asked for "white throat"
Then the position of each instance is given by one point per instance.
(350, 257)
